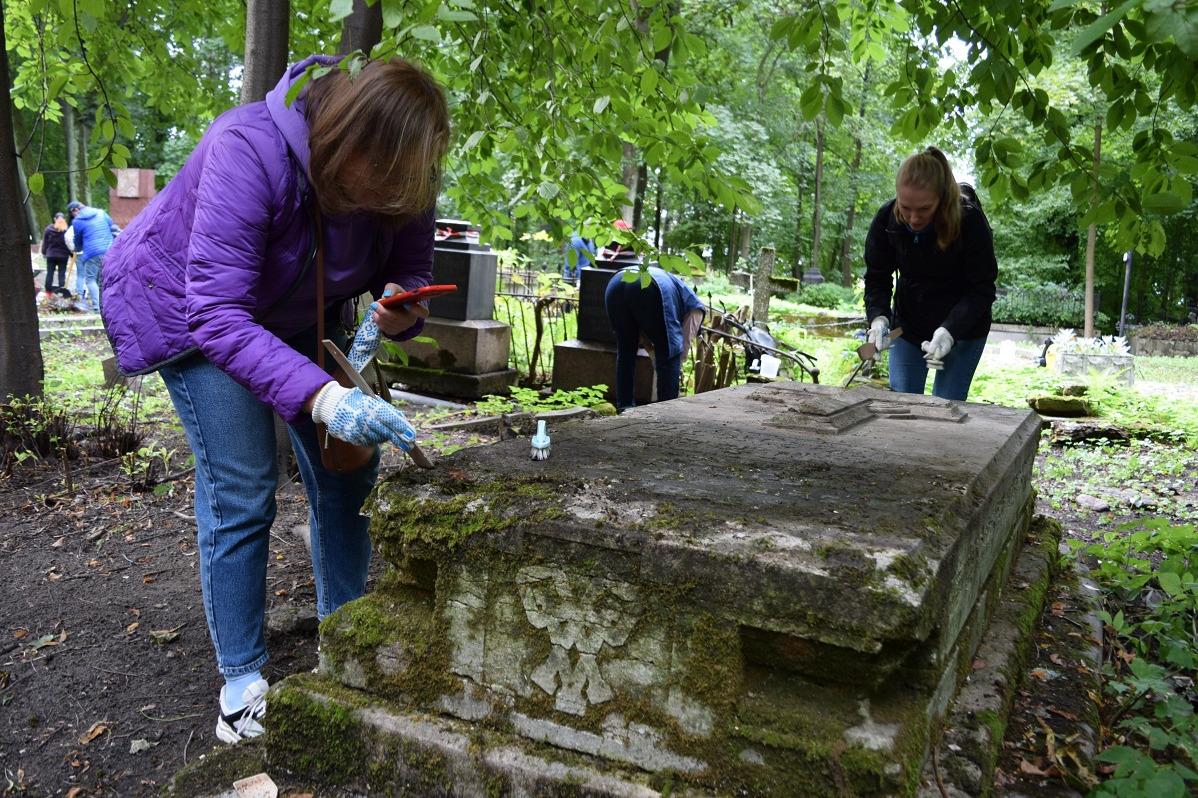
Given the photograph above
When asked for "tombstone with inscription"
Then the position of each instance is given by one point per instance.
(769, 590)
(468, 355)
(134, 190)
(590, 357)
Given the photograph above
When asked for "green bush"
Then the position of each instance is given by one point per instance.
(825, 295)
(1045, 305)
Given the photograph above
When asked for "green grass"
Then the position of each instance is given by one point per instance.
(1181, 370)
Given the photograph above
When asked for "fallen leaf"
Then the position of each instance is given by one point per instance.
(1058, 608)
(1056, 660)
(53, 575)
(1038, 673)
(135, 612)
(93, 563)
(74, 792)
(131, 628)
(58, 544)
(978, 664)
(1061, 713)
(148, 579)
(20, 633)
(281, 591)
(1030, 769)
(163, 636)
(97, 728)
(45, 640)
(139, 745)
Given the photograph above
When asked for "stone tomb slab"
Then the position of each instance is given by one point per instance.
(765, 588)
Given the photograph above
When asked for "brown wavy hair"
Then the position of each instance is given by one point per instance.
(930, 171)
(377, 139)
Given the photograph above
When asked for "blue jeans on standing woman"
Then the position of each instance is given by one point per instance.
(909, 371)
(91, 280)
(232, 435)
(632, 311)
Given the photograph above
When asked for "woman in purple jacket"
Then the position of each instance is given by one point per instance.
(213, 286)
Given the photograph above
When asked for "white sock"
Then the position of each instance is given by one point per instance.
(231, 695)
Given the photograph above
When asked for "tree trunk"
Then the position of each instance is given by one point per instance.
(1092, 236)
(85, 181)
(36, 208)
(733, 240)
(638, 206)
(630, 172)
(362, 29)
(850, 216)
(72, 148)
(267, 26)
(658, 234)
(797, 265)
(817, 213)
(21, 368)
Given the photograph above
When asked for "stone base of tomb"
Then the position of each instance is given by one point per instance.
(707, 595)
(788, 735)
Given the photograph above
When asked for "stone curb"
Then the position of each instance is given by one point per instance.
(965, 758)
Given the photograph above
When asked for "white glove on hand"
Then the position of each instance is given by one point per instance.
(879, 333)
(938, 348)
(354, 417)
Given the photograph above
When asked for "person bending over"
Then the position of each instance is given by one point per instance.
(214, 286)
(935, 236)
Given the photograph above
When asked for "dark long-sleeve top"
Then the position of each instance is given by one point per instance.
(54, 243)
(953, 288)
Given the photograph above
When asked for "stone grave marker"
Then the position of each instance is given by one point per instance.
(768, 590)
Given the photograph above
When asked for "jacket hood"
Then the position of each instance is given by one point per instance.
(87, 212)
(290, 119)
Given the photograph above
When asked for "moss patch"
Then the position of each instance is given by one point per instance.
(218, 769)
(312, 737)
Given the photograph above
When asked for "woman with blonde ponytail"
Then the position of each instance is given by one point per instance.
(935, 236)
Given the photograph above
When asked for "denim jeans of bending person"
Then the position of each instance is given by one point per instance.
(231, 433)
(634, 311)
(909, 371)
(91, 280)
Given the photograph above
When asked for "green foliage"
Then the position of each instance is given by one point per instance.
(1147, 570)
(828, 295)
(1046, 305)
(532, 401)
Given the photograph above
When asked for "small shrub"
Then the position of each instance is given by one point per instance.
(826, 295)
(115, 432)
(1169, 332)
(33, 427)
(1045, 305)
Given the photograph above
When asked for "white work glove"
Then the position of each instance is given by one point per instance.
(366, 341)
(354, 417)
(938, 348)
(879, 333)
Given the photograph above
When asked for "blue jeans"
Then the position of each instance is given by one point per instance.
(231, 433)
(909, 371)
(632, 311)
(91, 279)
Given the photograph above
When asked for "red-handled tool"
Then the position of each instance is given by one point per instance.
(417, 295)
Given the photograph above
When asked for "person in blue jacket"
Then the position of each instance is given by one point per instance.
(660, 308)
(94, 231)
(585, 248)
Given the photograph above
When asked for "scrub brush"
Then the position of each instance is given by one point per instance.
(540, 443)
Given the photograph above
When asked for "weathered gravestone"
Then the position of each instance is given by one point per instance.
(767, 590)
(466, 355)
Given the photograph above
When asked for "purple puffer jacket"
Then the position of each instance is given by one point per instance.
(204, 265)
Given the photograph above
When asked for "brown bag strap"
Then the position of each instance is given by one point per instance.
(318, 233)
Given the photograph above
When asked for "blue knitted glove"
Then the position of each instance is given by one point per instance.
(354, 417)
(366, 341)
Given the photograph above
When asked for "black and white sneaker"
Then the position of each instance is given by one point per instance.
(236, 725)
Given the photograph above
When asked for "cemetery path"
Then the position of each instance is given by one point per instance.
(107, 680)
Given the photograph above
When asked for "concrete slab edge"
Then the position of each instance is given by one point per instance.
(963, 762)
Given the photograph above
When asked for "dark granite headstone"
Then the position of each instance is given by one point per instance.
(460, 259)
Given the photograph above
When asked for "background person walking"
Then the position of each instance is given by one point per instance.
(56, 253)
